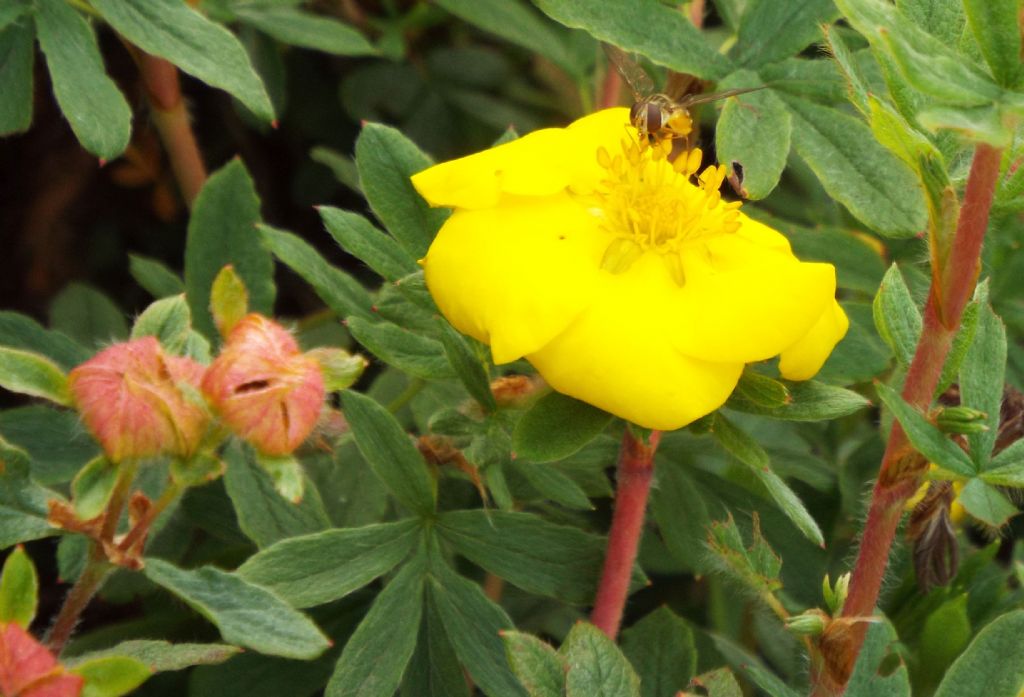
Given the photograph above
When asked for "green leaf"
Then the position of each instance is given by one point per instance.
(361, 238)
(856, 170)
(342, 293)
(171, 29)
(376, 655)
(760, 391)
(154, 276)
(245, 614)
(770, 31)
(646, 27)
(559, 561)
(981, 381)
(856, 86)
(753, 132)
(220, 232)
(539, 667)
(319, 568)
(292, 26)
(23, 504)
(682, 516)
(390, 452)
(986, 503)
(229, 300)
(111, 676)
(410, 352)
(474, 625)
(961, 343)
(93, 486)
(87, 316)
(858, 265)
(926, 438)
(945, 634)
(756, 567)
(809, 401)
(19, 589)
(169, 320)
(993, 664)
(551, 483)
(29, 373)
(386, 159)
(341, 369)
(434, 669)
(596, 666)
(55, 440)
(719, 683)
(747, 451)
(89, 99)
(163, 656)
(21, 332)
(662, 651)
(263, 514)
(468, 366)
(557, 426)
(897, 318)
(16, 62)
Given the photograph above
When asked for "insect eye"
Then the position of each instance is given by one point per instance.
(653, 117)
(634, 112)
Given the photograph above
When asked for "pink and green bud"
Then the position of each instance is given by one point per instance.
(135, 400)
(27, 669)
(264, 388)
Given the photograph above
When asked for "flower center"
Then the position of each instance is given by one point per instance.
(650, 204)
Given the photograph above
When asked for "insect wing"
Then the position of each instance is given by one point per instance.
(694, 100)
(638, 80)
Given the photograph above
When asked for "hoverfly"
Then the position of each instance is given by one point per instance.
(661, 116)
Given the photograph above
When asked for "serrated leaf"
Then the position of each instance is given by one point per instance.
(111, 676)
(474, 625)
(17, 58)
(646, 27)
(163, 656)
(154, 276)
(596, 666)
(245, 614)
(753, 136)
(434, 669)
(770, 31)
(468, 366)
(557, 426)
(718, 683)
(809, 401)
(19, 589)
(410, 352)
(662, 651)
(390, 452)
(386, 159)
(897, 318)
(540, 668)
(220, 232)
(992, 665)
(757, 567)
(37, 376)
(298, 28)
(169, 320)
(89, 99)
(361, 238)
(342, 293)
(926, 438)
(856, 170)
(759, 390)
(540, 557)
(173, 30)
(377, 653)
(316, 569)
(986, 503)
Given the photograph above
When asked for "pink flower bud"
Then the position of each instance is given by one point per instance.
(264, 388)
(27, 669)
(132, 397)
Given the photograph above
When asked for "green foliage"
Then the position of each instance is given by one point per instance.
(661, 649)
(994, 654)
(557, 426)
(19, 589)
(111, 676)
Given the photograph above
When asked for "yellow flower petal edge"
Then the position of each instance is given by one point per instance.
(624, 278)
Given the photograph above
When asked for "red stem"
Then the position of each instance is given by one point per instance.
(610, 89)
(900, 473)
(636, 467)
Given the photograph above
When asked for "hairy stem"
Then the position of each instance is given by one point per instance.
(141, 529)
(636, 467)
(901, 472)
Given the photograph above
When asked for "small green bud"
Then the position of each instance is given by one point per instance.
(809, 623)
(835, 595)
(961, 420)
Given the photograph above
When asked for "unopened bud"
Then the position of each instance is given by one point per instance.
(809, 623)
(835, 595)
(961, 420)
(264, 388)
(135, 400)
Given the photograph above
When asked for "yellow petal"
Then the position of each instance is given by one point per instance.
(515, 275)
(618, 354)
(541, 163)
(804, 359)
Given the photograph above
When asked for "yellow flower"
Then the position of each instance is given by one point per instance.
(624, 283)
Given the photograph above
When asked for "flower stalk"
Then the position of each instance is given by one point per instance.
(901, 472)
(635, 470)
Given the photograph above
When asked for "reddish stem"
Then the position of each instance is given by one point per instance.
(636, 467)
(611, 87)
(901, 472)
